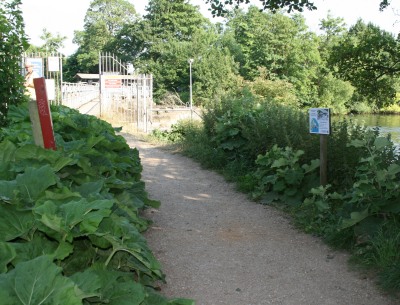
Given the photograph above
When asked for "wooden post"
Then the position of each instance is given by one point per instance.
(323, 170)
(36, 128)
(43, 107)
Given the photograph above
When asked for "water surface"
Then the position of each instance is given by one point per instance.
(386, 123)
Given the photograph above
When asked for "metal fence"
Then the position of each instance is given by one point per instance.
(77, 95)
(49, 66)
(126, 98)
(122, 97)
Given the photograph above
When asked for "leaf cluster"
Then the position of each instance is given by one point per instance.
(220, 8)
(281, 178)
(70, 227)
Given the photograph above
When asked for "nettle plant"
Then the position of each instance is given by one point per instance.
(280, 177)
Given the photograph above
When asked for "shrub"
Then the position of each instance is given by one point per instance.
(281, 177)
(12, 44)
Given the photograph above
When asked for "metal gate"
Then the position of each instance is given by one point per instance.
(49, 66)
(126, 98)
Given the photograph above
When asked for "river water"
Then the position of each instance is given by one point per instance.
(386, 123)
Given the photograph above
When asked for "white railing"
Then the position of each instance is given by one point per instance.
(75, 95)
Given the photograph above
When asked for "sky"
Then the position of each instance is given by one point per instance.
(64, 17)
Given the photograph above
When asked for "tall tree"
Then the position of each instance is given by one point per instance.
(103, 20)
(52, 43)
(172, 32)
(176, 19)
(280, 44)
(369, 58)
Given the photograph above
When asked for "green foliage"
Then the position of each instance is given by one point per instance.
(276, 91)
(219, 8)
(281, 178)
(375, 193)
(279, 44)
(103, 20)
(70, 223)
(368, 57)
(242, 127)
(12, 44)
(318, 213)
(52, 43)
(334, 94)
(174, 135)
(38, 281)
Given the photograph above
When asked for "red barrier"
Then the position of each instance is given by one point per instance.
(46, 122)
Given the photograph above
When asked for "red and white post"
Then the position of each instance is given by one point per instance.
(42, 123)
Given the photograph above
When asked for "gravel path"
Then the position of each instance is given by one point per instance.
(217, 247)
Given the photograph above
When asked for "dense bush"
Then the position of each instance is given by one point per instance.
(241, 128)
(12, 44)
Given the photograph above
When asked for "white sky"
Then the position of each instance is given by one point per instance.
(64, 17)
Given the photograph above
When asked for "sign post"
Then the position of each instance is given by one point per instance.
(44, 113)
(320, 123)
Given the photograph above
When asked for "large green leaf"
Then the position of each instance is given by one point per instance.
(280, 162)
(14, 223)
(312, 166)
(8, 190)
(31, 151)
(124, 237)
(7, 254)
(38, 282)
(65, 217)
(7, 150)
(111, 287)
(35, 181)
(393, 169)
(355, 217)
(88, 282)
(41, 245)
(380, 143)
(30, 155)
(89, 188)
(126, 293)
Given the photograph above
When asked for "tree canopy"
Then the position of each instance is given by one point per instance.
(221, 8)
(275, 55)
(369, 58)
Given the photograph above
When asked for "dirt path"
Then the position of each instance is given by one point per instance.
(217, 247)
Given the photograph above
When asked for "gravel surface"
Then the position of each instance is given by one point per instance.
(217, 247)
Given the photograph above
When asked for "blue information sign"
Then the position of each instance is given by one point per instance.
(37, 63)
(320, 121)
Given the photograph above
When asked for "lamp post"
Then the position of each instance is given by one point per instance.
(190, 61)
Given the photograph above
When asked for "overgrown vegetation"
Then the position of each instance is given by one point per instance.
(69, 219)
(12, 45)
(268, 151)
